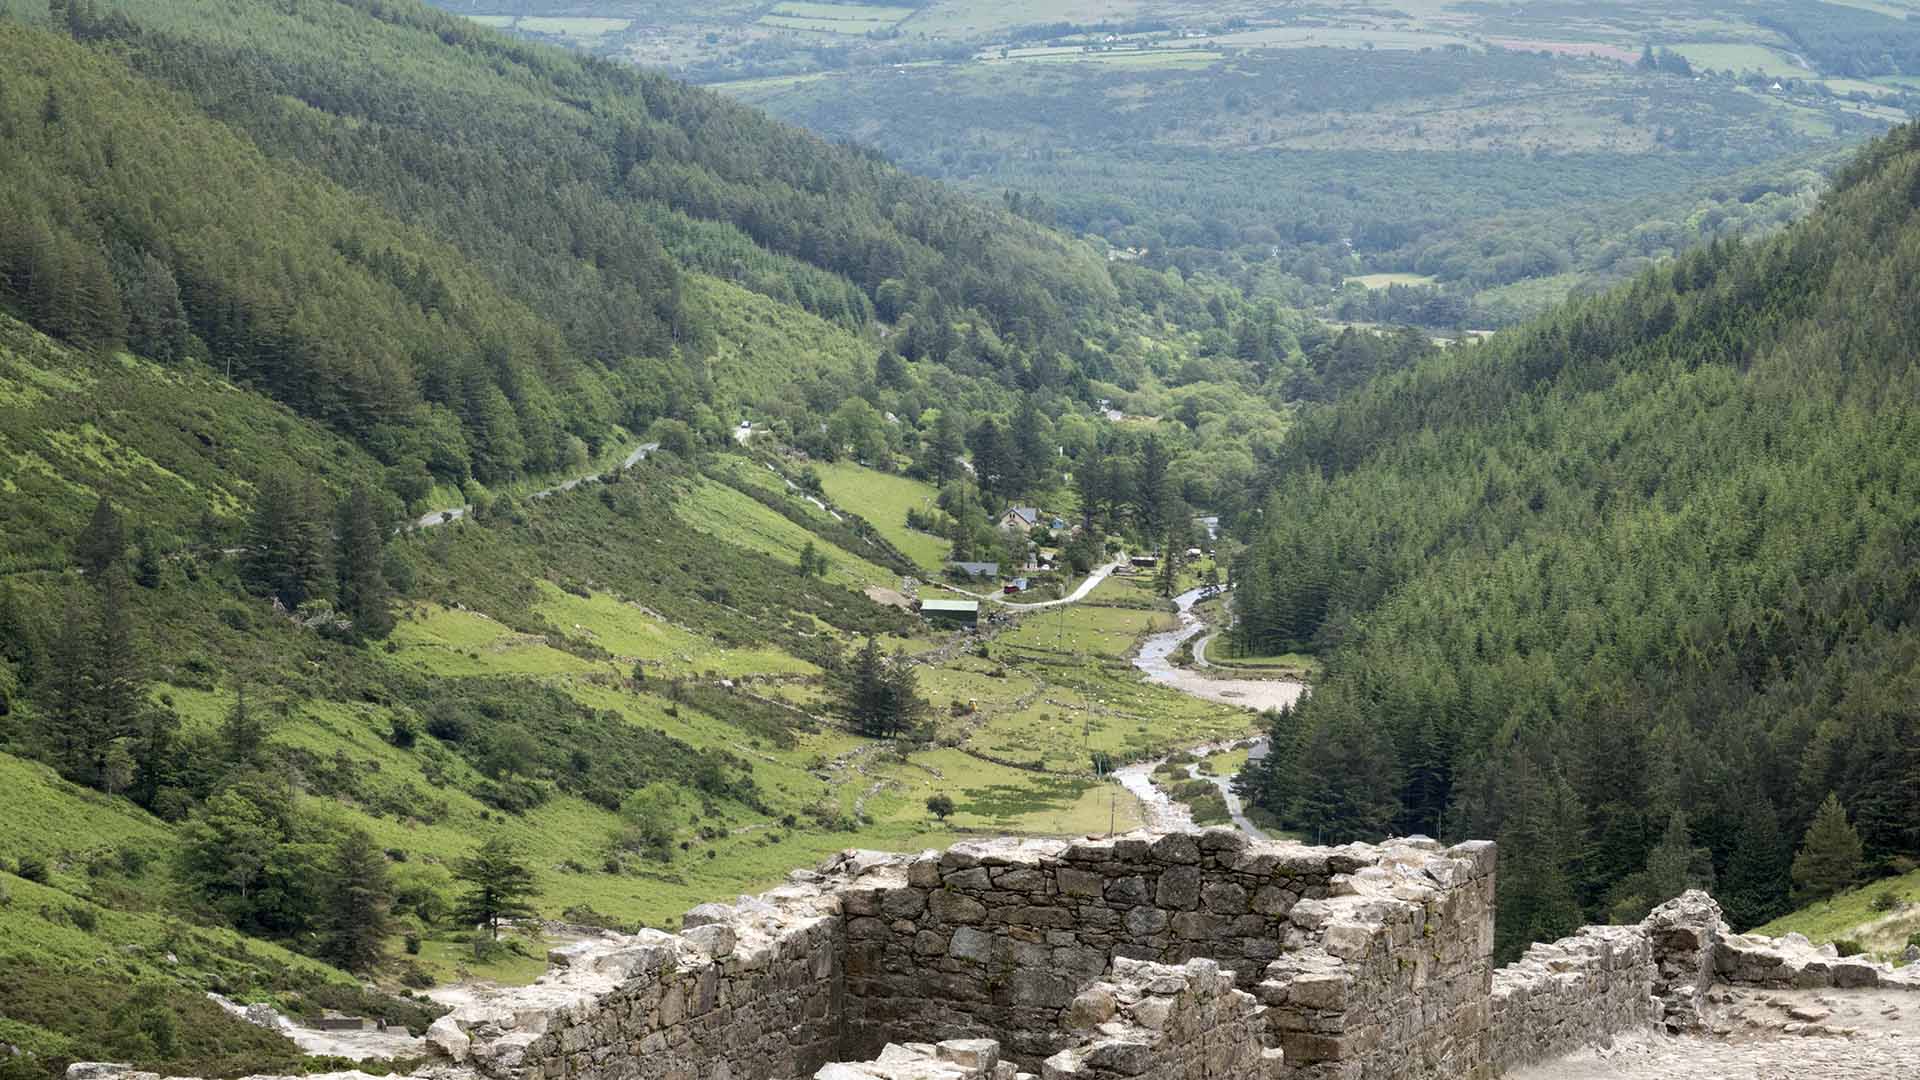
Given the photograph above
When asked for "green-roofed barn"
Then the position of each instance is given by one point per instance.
(964, 613)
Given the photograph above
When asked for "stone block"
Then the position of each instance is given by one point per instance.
(955, 907)
(1179, 888)
(1177, 848)
(1127, 890)
(971, 945)
(1079, 883)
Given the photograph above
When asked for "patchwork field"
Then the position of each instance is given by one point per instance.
(834, 18)
(1382, 281)
(884, 499)
(1733, 57)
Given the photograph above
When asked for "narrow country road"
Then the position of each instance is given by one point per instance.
(1093, 582)
(433, 518)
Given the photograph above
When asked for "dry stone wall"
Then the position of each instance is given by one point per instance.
(995, 939)
(1390, 976)
(1176, 956)
(1578, 991)
(1162, 1022)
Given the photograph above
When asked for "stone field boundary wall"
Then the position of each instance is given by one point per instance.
(1609, 980)
(1361, 960)
(1170, 956)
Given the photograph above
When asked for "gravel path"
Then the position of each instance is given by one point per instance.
(1787, 1058)
(1767, 1035)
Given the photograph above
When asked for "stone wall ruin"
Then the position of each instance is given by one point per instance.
(1175, 956)
(1349, 961)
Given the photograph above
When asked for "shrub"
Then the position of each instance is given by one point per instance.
(1848, 947)
(412, 943)
(404, 731)
(33, 868)
(416, 977)
(1885, 901)
(83, 917)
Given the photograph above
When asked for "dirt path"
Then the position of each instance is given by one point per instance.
(434, 518)
(1767, 1035)
(1093, 582)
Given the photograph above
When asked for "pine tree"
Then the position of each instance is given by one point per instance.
(1754, 889)
(243, 732)
(289, 542)
(104, 540)
(500, 886)
(1090, 485)
(1830, 854)
(812, 563)
(119, 684)
(1153, 491)
(363, 584)
(905, 708)
(146, 567)
(944, 447)
(356, 904)
(1172, 558)
(862, 696)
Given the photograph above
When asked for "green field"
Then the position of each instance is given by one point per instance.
(1381, 281)
(720, 511)
(584, 28)
(1730, 57)
(1852, 915)
(834, 18)
(884, 499)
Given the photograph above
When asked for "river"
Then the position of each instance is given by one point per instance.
(1155, 661)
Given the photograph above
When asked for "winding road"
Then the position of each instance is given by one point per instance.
(1093, 582)
(433, 518)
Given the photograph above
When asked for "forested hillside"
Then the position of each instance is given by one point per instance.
(1633, 589)
(448, 245)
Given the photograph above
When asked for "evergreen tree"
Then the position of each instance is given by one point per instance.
(861, 693)
(993, 467)
(1754, 888)
(289, 542)
(146, 567)
(905, 708)
(1172, 558)
(944, 447)
(1090, 487)
(243, 732)
(812, 563)
(1830, 854)
(499, 883)
(156, 318)
(356, 903)
(103, 542)
(94, 693)
(363, 584)
(1031, 456)
(1153, 490)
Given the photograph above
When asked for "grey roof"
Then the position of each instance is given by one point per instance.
(1028, 514)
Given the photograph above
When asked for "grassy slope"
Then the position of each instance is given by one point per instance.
(1852, 915)
(172, 440)
(884, 499)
